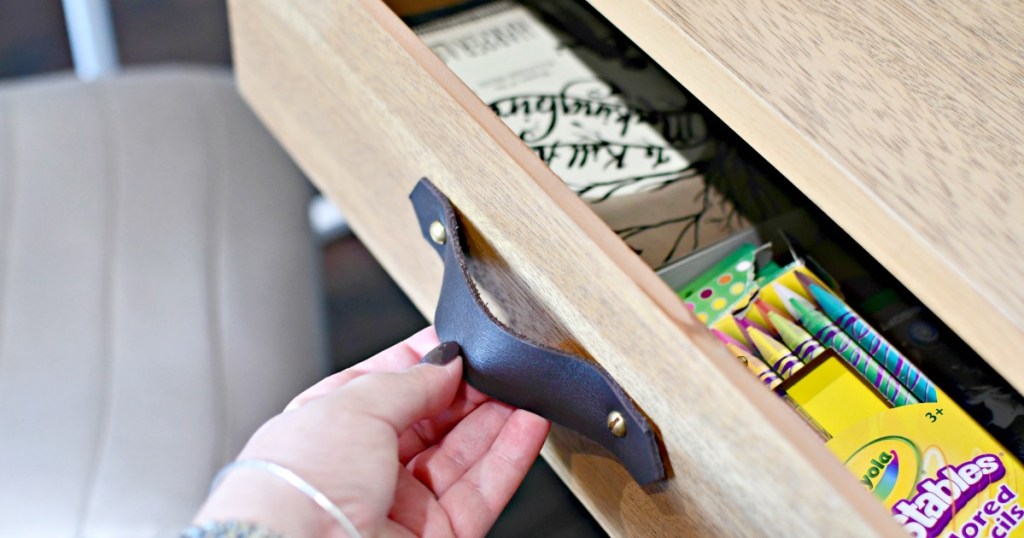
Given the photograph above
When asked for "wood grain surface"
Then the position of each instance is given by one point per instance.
(366, 110)
(904, 120)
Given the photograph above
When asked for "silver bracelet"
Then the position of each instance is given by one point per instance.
(297, 481)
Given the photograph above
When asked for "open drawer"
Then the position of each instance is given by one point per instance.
(366, 109)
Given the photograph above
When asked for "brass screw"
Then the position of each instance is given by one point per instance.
(617, 424)
(437, 232)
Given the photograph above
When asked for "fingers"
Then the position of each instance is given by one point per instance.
(443, 464)
(473, 471)
(396, 358)
(426, 433)
(474, 502)
(400, 398)
(416, 508)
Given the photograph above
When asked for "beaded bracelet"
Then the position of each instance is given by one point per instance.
(228, 529)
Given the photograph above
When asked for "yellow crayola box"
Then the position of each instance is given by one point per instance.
(831, 395)
(936, 470)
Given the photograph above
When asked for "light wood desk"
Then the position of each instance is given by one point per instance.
(903, 120)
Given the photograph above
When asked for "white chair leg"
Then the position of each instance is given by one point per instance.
(91, 33)
(326, 220)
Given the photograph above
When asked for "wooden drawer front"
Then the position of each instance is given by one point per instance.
(367, 110)
(903, 120)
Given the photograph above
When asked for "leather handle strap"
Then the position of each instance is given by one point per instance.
(561, 387)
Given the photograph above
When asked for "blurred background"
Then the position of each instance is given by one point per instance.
(366, 311)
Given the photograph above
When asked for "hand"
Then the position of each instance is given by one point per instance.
(404, 449)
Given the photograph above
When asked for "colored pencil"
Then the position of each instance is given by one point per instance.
(878, 347)
(831, 336)
(753, 363)
(804, 346)
(774, 353)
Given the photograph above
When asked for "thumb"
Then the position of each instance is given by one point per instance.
(402, 398)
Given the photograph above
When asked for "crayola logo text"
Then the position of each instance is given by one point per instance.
(888, 467)
(878, 465)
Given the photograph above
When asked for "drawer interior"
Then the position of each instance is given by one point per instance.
(761, 195)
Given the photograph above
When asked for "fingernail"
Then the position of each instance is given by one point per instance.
(442, 354)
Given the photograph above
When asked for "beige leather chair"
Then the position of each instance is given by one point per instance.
(158, 297)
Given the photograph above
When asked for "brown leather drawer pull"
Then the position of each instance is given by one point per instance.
(561, 387)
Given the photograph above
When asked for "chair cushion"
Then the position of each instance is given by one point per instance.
(158, 296)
